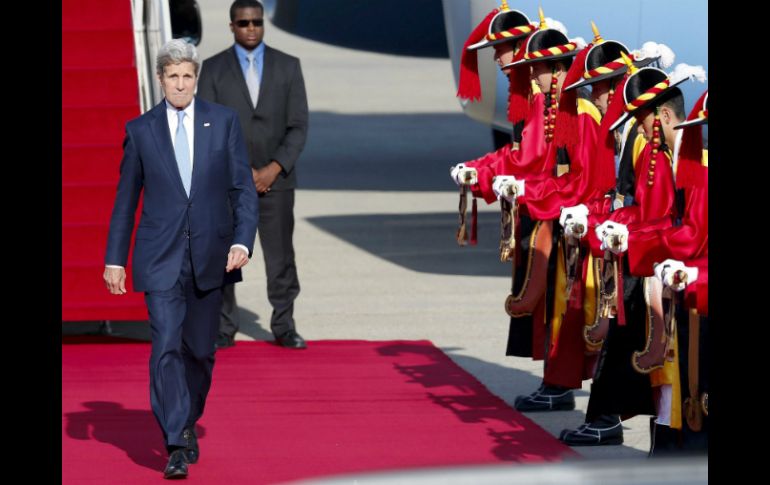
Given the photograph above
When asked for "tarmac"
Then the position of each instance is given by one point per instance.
(376, 214)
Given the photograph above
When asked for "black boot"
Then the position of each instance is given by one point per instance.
(664, 440)
(604, 430)
(546, 398)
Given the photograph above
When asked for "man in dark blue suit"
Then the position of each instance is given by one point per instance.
(197, 229)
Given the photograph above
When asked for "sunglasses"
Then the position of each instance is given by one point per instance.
(245, 22)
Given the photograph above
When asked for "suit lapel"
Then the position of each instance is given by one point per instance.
(162, 135)
(268, 71)
(201, 144)
(237, 73)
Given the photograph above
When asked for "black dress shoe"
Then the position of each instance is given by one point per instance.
(224, 341)
(605, 430)
(177, 465)
(291, 340)
(192, 451)
(546, 398)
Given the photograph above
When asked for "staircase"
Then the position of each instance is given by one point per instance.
(99, 94)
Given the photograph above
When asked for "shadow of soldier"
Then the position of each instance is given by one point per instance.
(513, 436)
(421, 242)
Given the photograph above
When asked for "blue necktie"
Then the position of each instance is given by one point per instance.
(182, 152)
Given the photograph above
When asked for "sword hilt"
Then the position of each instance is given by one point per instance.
(468, 176)
(578, 229)
(617, 240)
(511, 190)
(679, 277)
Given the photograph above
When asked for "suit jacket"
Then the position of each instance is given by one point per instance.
(277, 128)
(221, 209)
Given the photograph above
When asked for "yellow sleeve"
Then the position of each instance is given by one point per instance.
(639, 144)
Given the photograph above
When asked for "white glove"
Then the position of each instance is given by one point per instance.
(614, 236)
(573, 217)
(507, 187)
(463, 175)
(668, 269)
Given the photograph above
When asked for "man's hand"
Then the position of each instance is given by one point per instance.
(613, 235)
(669, 273)
(462, 175)
(265, 177)
(574, 218)
(507, 187)
(237, 258)
(115, 278)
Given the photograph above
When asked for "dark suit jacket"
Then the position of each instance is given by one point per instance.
(221, 209)
(277, 128)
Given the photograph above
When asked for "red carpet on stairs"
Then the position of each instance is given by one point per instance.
(275, 415)
(99, 94)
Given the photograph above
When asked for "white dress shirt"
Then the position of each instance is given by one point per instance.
(189, 126)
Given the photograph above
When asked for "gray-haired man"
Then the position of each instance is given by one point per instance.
(197, 229)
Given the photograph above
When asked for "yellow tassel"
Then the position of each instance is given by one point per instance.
(631, 67)
(597, 36)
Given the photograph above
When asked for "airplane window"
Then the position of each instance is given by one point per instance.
(185, 20)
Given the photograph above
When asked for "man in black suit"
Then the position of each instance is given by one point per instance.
(266, 88)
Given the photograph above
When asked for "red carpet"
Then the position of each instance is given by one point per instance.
(99, 94)
(275, 415)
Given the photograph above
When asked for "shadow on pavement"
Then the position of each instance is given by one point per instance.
(395, 152)
(422, 242)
